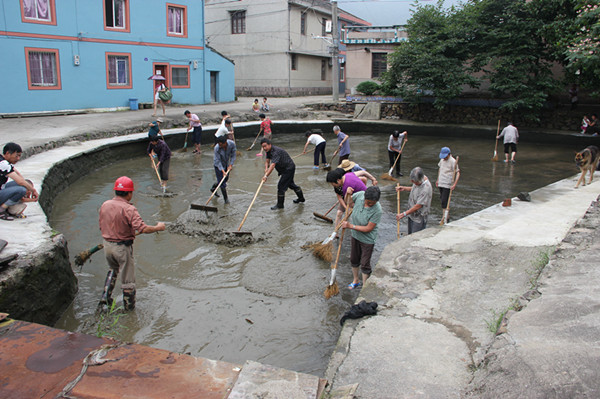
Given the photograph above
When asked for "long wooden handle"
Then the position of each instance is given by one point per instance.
(252, 203)
(497, 133)
(296, 156)
(398, 208)
(397, 157)
(155, 169)
(219, 185)
(339, 249)
(254, 142)
(330, 209)
(447, 210)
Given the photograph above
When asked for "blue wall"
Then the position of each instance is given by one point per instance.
(79, 30)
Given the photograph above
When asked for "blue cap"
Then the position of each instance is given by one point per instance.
(444, 152)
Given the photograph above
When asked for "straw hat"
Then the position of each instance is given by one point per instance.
(347, 165)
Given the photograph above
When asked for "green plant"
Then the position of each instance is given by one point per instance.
(367, 88)
(495, 321)
(108, 322)
(537, 266)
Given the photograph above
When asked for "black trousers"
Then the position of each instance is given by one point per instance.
(320, 150)
(286, 180)
(393, 155)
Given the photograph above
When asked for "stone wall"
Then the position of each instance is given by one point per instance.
(41, 287)
(260, 92)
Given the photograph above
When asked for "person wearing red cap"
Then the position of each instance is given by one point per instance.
(119, 222)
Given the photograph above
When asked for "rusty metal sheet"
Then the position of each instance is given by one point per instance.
(39, 361)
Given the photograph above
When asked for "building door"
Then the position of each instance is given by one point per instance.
(162, 70)
(213, 86)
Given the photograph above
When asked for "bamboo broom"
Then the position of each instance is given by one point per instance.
(388, 176)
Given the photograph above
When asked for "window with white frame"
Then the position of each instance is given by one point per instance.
(43, 71)
(118, 70)
(115, 14)
(38, 10)
(176, 20)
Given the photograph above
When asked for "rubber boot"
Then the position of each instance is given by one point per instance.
(225, 198)
(213, 188)
(129, 299)
(300, 196)
(109, 285)
(280, 200)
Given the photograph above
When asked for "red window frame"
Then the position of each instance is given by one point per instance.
(184, 20)
(51, 10)
(127, 27)
(30, 85)
(187, 68)
(113, 86)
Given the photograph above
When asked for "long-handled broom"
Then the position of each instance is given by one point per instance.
(495, 157)
(398, 210)
(184, 149)
(333, 289)
(388, 175)
(447, 210)
(324, 217)
(323, 249)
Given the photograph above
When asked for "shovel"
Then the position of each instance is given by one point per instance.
(184, 149)
(155, 169)
(254, 142)
(205, 207)
(238, 231)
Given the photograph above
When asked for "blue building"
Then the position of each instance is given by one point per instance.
(69, 54)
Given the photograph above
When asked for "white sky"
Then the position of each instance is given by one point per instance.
(385, 12)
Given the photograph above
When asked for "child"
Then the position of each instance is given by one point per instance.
(265, 106)
(584, 124)
(265, 129)
(256, 105)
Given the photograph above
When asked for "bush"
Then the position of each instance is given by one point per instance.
(367, 88)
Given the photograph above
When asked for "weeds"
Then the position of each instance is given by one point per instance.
(495, 321)
(537, 267)
(108, 322)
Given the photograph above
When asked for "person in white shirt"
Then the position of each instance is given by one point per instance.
(446, 180)
(319, 142)
(511, 138)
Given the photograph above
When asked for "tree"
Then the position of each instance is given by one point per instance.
(583, 49)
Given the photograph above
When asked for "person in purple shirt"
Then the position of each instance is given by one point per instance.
(160, 150)
(344, 183)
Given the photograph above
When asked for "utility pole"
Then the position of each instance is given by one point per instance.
(335, 51)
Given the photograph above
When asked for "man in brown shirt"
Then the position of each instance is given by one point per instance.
(119, 222)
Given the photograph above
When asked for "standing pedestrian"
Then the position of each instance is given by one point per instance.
(511, 138)
(343, 144)
(197, 133)
(447, 178)
(160, 150)
(366, 215)
(419, 201)
(223, 130)
(224, 158)
(277, 158)
(119, 221)
(395, 149)
(159, 87)
(319, 142)
(265, 129)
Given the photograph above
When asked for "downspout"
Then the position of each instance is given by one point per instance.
(204, 59)
(289, 52)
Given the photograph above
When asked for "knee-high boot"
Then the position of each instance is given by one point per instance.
(225, 198)
(129, 299)
(213, 188)
(109, 285)
(300, 195)
(280, 200)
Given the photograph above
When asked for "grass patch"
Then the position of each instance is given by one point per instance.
(108, 322)
(537, 266)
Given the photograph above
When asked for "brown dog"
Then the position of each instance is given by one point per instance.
(587, 161)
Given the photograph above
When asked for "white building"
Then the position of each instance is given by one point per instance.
(280, 47)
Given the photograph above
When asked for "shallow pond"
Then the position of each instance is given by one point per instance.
(264, 301)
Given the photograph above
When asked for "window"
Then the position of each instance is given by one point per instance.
(38, 11)
(180, 76)
(238, 22)
(43, 69)
(323, 69)
(303, 24)
(116, 15)
(379, 64)
(176, 20)
(324, 26)
(118, 71)
(294, 62)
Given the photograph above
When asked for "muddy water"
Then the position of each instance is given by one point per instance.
(263, 301)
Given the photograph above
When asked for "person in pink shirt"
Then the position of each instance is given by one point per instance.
(120, 222)
(265, 129)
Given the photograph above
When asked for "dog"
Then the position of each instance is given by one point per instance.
(587, 161)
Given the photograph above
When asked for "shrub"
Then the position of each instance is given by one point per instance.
(367, 88)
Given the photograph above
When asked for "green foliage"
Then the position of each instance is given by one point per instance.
(367, 88)
(512, 44)
(108, 322)
(537, 266)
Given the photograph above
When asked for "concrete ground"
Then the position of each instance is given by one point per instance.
(442, 292)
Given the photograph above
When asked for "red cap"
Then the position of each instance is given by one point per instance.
(123, 183)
